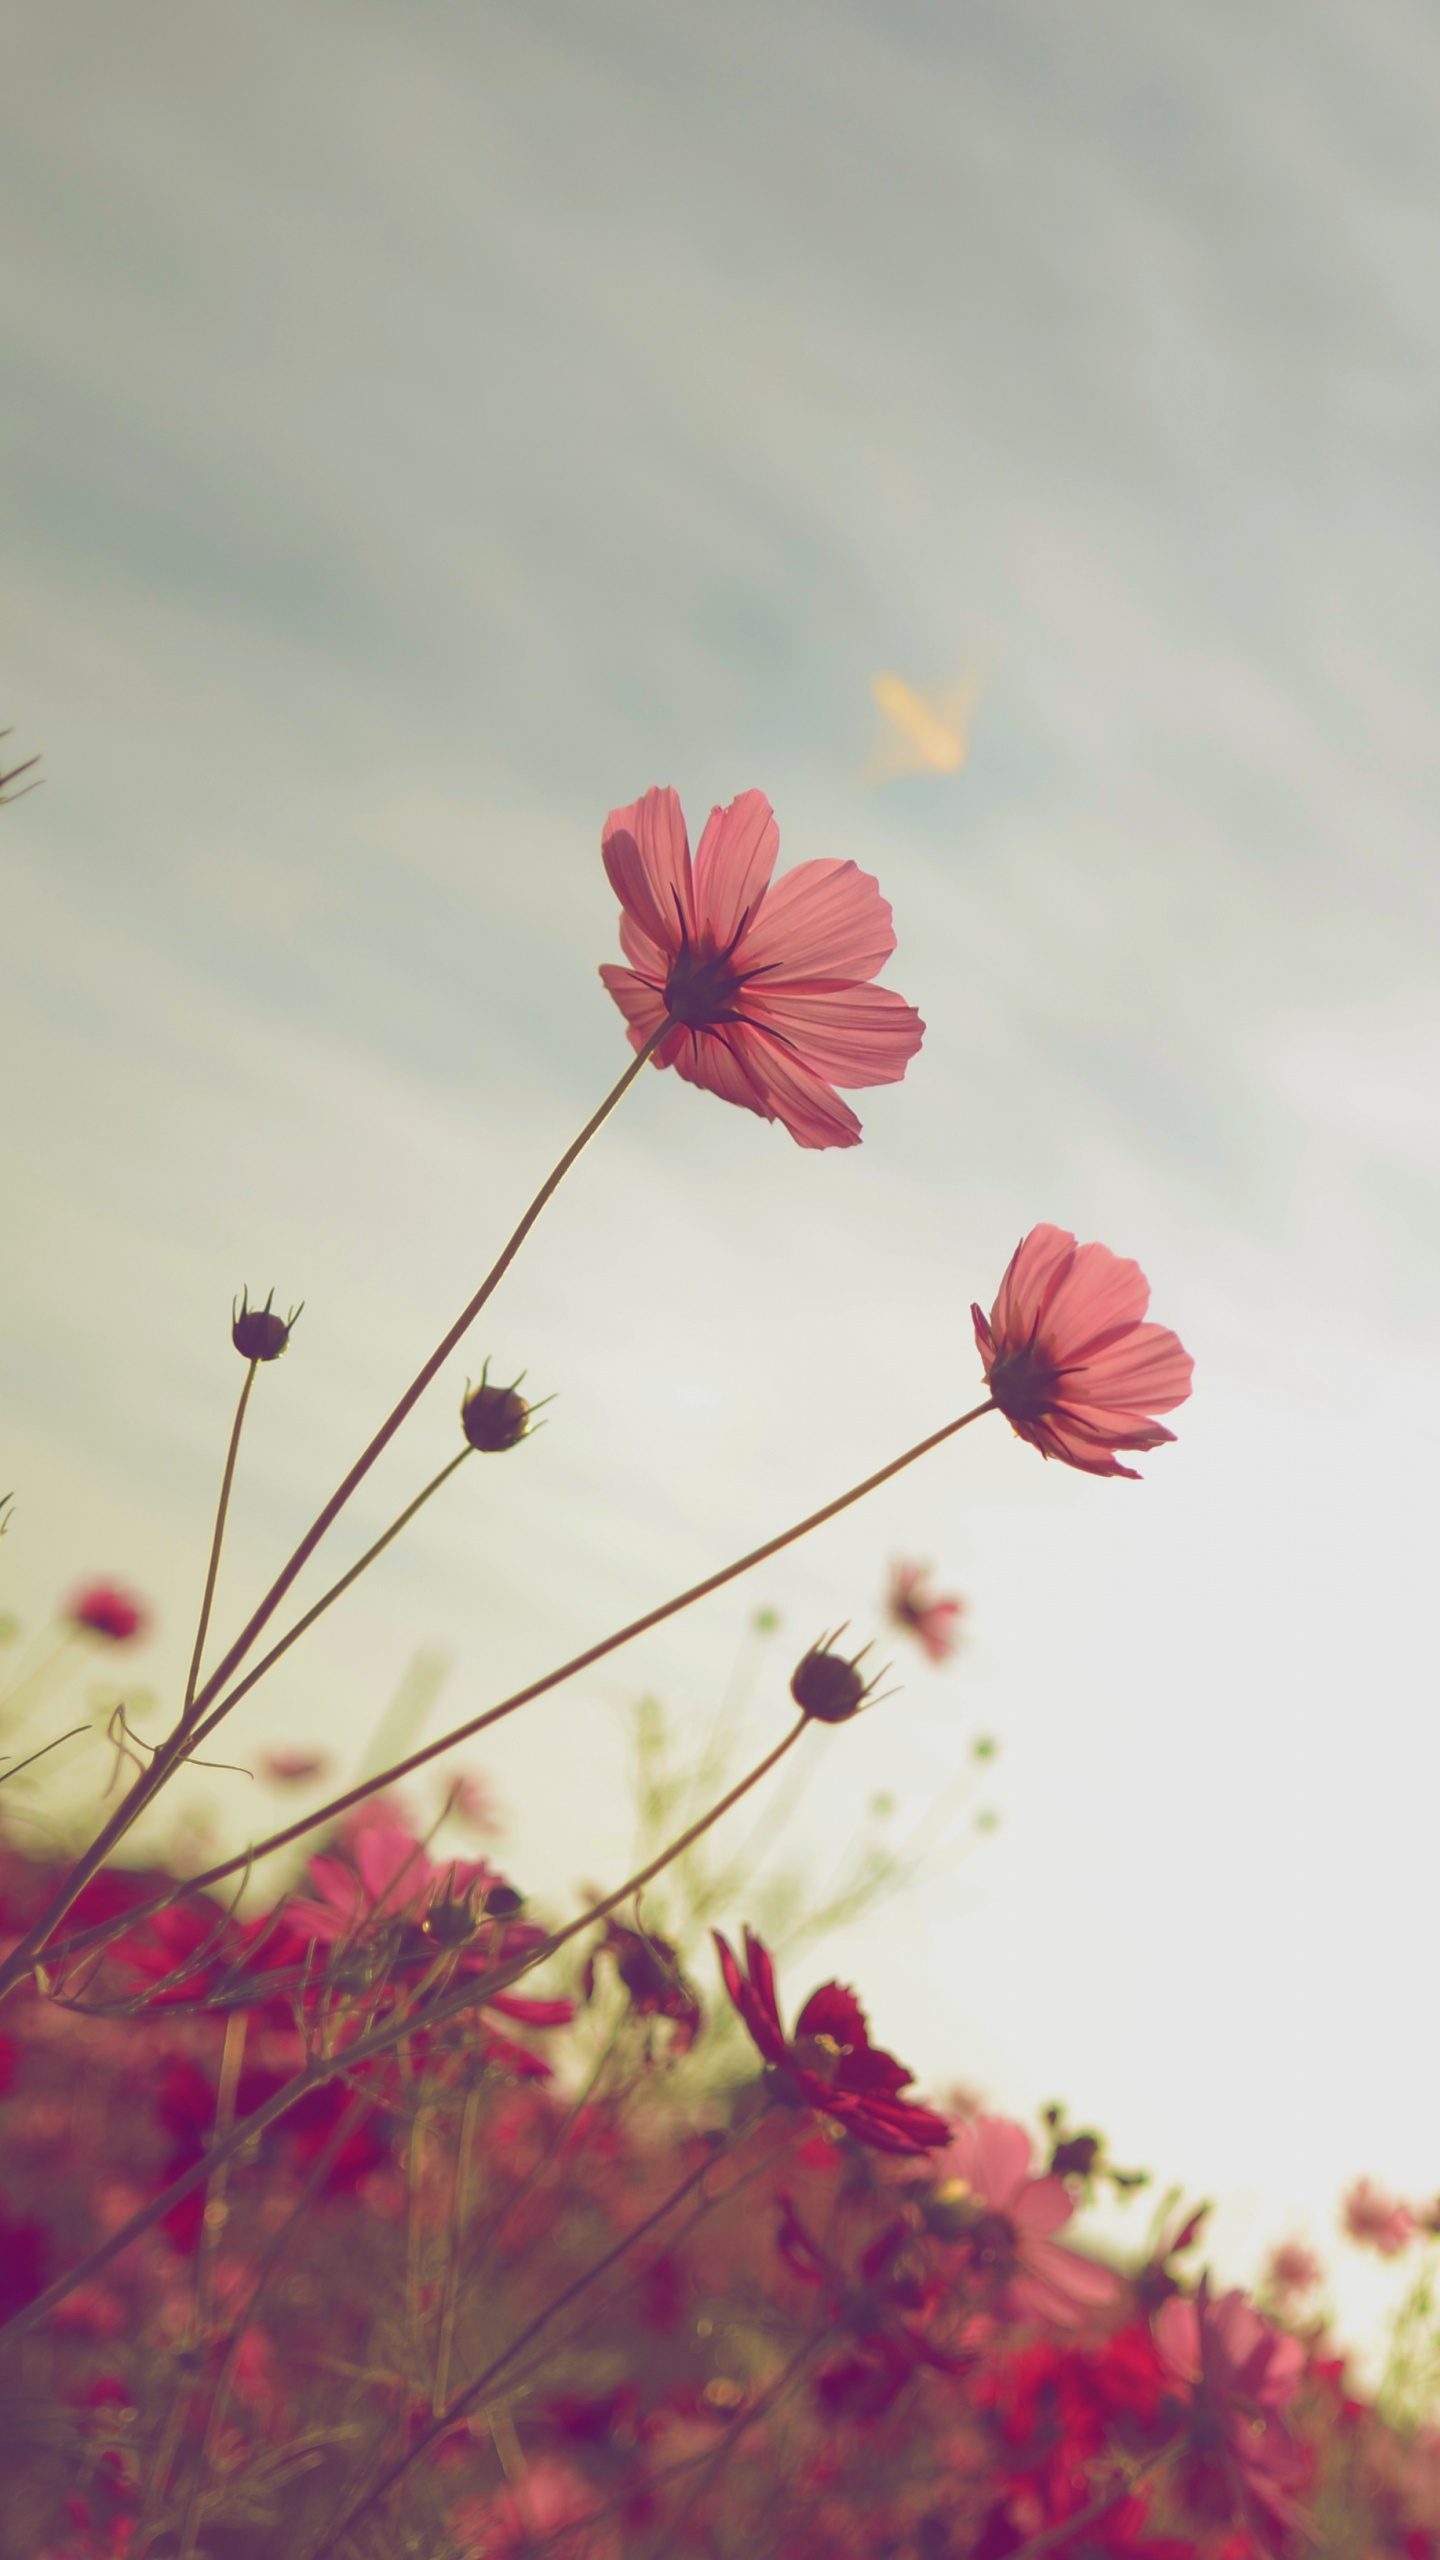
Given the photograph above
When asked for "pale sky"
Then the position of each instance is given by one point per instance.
(426, 426)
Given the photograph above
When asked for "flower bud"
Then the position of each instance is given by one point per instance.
(828, 1687)
(257, 1332)
(494, 1418)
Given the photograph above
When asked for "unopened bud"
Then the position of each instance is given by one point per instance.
(494, 1418)
(828, 1687)
(257, 1332)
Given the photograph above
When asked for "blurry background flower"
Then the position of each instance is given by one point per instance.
(914, 1605)
(104, 1609)
(1374, 2220)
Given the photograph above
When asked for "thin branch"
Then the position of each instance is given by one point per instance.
(216, 1543)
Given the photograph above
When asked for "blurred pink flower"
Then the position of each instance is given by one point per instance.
(919, 1611)
(472, 1801)
(1069, 1360)
(1241, 2375)
(989, 2198)
(768, 988)
(292, 1768)
(1376, 2221)
(1291, 2269)
(104, 1609)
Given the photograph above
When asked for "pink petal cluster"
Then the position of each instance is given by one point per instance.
(1242, 2375)
(914, 1606)
(1005, 2217)
(1069, 1359)
(766, 986)
(1377, 2221)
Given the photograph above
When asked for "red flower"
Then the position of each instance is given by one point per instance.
(649, 1968)
(105, 1610)
(767, 989)
(830, 2062)
(919, 1611)
(1068, 1359)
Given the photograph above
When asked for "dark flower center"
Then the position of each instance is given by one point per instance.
(702, 988)
(1024, 1384)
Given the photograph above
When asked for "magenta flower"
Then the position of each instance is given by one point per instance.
(1376, 2221)
(1070, 1361)
(829, 2062)
(105, 1610)
(991, 2201)
(768, 990)
(1241, 2375)
(914, 1605)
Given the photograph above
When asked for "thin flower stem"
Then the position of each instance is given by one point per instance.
(216, 1543)
(471, 1993)
(347, 2124)
(336, 1591)
(261, 1616)
(182, 1743)
(508, 1707)
(170, 1753)
(464, 2400)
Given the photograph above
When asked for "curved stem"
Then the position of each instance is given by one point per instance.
(216, 1543)
(471, 1993)
(522, 1698)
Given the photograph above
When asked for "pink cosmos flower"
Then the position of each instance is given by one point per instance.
(830, 2062)
(1069, 1359)
(105, 1610)
(1292, 2270)
(1376, 2221)
(913, 1605)
(1240, 2375)
(989, 2198)
(768, 989)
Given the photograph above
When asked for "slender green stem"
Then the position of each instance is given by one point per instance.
(464, 2400)
(522, 1697)
(471, 1993)
(216, 1543)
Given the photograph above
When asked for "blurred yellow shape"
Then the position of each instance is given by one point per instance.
(923, 732)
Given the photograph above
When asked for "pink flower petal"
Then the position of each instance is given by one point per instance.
(647, 857)
(849, 1035)
(733, 865)
(821, 920)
